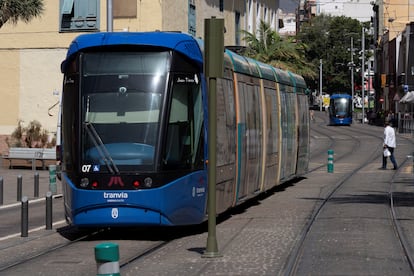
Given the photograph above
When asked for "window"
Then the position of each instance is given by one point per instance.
(78, 15)
(237, 27)
(184, 131)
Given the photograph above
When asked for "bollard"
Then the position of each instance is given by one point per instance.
(19, 187)
(36, 185)
(107, 259)
(49, 209)
(330, 161)
(1, 190)
(52, 179)
(24, 217)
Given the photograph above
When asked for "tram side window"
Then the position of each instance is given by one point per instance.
(184, 127)
(69, 122)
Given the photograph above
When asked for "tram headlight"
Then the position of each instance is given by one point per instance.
(84, 183)
(148, 182)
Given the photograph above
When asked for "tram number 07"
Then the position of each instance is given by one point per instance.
(86, 168)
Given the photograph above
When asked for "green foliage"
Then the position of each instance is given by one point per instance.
(268, 47)
(16, 139)
(329, 38)
(15, 10)
(32, 136)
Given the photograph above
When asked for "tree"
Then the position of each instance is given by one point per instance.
(329, 38)
(15, 10)
(268, 47)
(32, 136)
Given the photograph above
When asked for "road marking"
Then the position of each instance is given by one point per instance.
(30, 201)
(32, 230)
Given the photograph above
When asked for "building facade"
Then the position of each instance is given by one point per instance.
(31, 53)
(394, 73)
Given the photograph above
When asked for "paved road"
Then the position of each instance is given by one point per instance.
(10, 179)
(10, 183)
(258, 239)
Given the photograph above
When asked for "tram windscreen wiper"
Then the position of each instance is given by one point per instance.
(100, 147)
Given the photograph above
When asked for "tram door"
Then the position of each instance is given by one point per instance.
(249, 136)
(272, 138)
(226, 146)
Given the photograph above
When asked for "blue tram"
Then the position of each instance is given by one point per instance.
(134, 130)
(340, 109)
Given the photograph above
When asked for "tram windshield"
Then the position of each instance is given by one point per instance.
(341, 107)
(122, 96)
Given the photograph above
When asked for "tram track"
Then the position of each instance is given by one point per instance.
(322, 129)
(355, 139)
(72, 249)
(291, 266)
(395, 203)
(294, 261)
(139, 247)
(7, 264)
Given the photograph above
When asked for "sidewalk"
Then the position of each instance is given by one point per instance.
(10, 183)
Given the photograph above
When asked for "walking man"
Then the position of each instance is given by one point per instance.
(390, 144)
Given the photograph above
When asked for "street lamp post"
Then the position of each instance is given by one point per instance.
(351, 66)
(363, 74)
(352, 72)
(109, 16)
(320, 85)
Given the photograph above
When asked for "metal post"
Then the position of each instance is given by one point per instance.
(49, 210)
(352, 73)
(52, 179)
(19, 188)
(36, 185)
(107, 259)
(320, 85)
(24, 217)
(369, 84)
(363, 75)
(330, 161)
(214, 55)
(109, 16)
(1, 190)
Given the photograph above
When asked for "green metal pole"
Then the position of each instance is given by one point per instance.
(214, 49)
(330, 167)
(107, 259)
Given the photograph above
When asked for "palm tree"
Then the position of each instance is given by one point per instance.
(15, 10)
(287, 54)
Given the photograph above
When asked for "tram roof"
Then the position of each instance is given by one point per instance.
(180, 42)
(283, 76)
(298, 82)
(239, 63)
(253, 67)
(183, 43)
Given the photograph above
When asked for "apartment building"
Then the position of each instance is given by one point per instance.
(31, 53)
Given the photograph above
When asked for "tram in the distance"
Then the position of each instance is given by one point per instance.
(340, 109)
